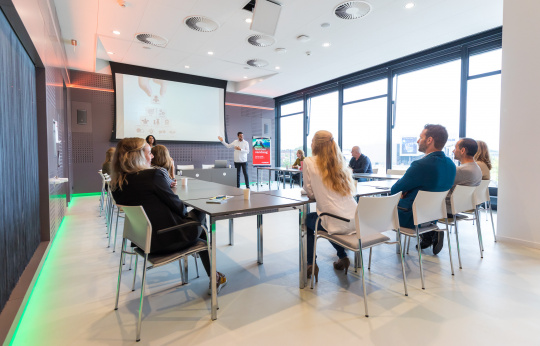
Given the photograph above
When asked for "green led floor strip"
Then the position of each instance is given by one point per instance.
(85, 194)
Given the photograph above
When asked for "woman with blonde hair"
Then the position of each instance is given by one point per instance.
(106, 167)
(162, 160)
(134, 183)
(328, 179)
(483, 160)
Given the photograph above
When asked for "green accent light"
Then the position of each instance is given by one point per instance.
(85, 194)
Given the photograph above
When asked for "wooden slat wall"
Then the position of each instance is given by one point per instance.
(19, 204)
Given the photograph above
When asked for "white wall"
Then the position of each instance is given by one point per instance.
(519, 188)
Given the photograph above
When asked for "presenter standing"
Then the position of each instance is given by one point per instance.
(241, 151)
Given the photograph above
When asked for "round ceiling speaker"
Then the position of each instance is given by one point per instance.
(260, 40)
(257, 62)
(151, 39)
(201, 24)
(352, 9)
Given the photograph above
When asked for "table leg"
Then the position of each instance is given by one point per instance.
(301, 252)
(257, 179)
(212, 253)
(269, 179)
(231, 232)
(283, 175)
(259, 239)
(301, 178)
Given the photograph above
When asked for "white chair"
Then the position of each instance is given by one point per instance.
(180, 168)
(375, 170)
(374, 215)
(396, 171)
(481, 196)
(428, 207)
(461, 200)
(138, 230)
(103, 191)
(207, 166)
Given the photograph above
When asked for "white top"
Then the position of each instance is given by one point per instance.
(329, 201)
(239, 155)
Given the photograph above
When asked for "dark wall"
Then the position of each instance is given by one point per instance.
(19, 206)
(90, 141)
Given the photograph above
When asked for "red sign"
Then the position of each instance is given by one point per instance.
(261, 151)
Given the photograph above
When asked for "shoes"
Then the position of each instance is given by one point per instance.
(439, 243)
(342, 263)
(309, 270)
(424, 244)
(220, 283)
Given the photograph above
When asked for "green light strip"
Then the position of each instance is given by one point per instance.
(85, 194)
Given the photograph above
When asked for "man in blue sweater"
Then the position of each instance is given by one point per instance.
(434, 172)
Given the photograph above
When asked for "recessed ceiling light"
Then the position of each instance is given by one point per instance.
(409, 5)
(210, 53)
(325, 25)
(187, 66)
(245, 77)
(116, 32)
(111, 53)
(277, 67)
(146, 47)
(248, 20)
(326, 44)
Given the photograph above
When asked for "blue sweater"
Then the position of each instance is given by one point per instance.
(434, 172)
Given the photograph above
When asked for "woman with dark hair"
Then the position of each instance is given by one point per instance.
(151, 140)
(134, 183)
(328, 179)
(162, 160)
(106, 167)
(298, 165)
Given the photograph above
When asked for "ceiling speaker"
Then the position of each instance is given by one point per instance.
(352, 9)
(257, 62)
(152, 39)
(260, 40)
(201, 24)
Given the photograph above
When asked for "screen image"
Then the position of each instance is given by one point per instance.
(170, 111)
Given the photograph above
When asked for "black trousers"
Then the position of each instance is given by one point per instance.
(243, 166)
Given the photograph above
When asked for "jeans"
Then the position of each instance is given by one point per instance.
(243, 166)
(311, 219)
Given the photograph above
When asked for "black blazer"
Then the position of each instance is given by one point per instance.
(164, 209)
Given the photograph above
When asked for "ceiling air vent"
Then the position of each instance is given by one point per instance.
(260, 40)
(200, 23)
(152, 39)
(352, 9)
(257, 63)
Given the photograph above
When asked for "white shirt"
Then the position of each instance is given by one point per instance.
(329, 201)
(239, 155)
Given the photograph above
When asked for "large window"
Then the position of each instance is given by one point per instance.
(292, 131)
(428, 96)
(483, 103)
(364, 121)
(322, 115)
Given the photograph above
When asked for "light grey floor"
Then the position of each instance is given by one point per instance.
(491, 301)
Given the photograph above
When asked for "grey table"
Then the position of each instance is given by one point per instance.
(258, 204)
(376, 176)
(382, 184)
(277, 169)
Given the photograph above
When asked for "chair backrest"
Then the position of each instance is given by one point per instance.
(429, 206)
(481, 194)
(207, 166)
(462, 199)
(377, 214)
(180, 167)
(395, 171)
(375, 170)
(137, 227)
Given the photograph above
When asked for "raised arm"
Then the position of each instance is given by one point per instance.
(225, 143)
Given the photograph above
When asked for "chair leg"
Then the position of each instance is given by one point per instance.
(408, 244)
(355, 262)
(369, 263)
(119, 277)
(314, 257)
(366, 313)
(492, 224)
(181, 271)
(142, 298)
(109, 224)
(449, 247)
(195, 256)
(457, 242)
(116, 229)
(420, 258)
(402, 263)
(479, 231)
(186, 279)
(134, 271)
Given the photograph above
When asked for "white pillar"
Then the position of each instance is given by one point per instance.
(519, 160)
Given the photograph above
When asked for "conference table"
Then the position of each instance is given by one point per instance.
(278, 169)
(377, 176)
(196, 193)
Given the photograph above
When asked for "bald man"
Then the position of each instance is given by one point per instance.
(359, 163)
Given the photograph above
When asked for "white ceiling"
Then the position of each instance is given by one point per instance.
(388, 32)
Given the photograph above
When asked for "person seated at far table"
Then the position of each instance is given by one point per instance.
(359, 163)
(106, 167)
(135, 183)
(328, 179)
(163, 161)
(434, 172)
(483, 160)
(298, 165)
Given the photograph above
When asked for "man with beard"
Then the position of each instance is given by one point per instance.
(434, 172)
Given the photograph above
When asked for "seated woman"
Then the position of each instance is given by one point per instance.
(298, 165)
(151, 140)
(163, 161)
(483, 160)
(328, 179)
(134, 182)
(106, 167)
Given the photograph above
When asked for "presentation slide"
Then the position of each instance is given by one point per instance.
(170, 111)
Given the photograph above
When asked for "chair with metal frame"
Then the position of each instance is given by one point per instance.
(481, 196)
(103, 191)
(138, 230)
(428, 207)
(374, 215)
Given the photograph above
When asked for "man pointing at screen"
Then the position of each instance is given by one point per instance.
(241, 151)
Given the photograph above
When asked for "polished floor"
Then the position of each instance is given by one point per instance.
(491, 301)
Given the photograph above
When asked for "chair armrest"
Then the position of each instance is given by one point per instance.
(335, 217)
(178, 227)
